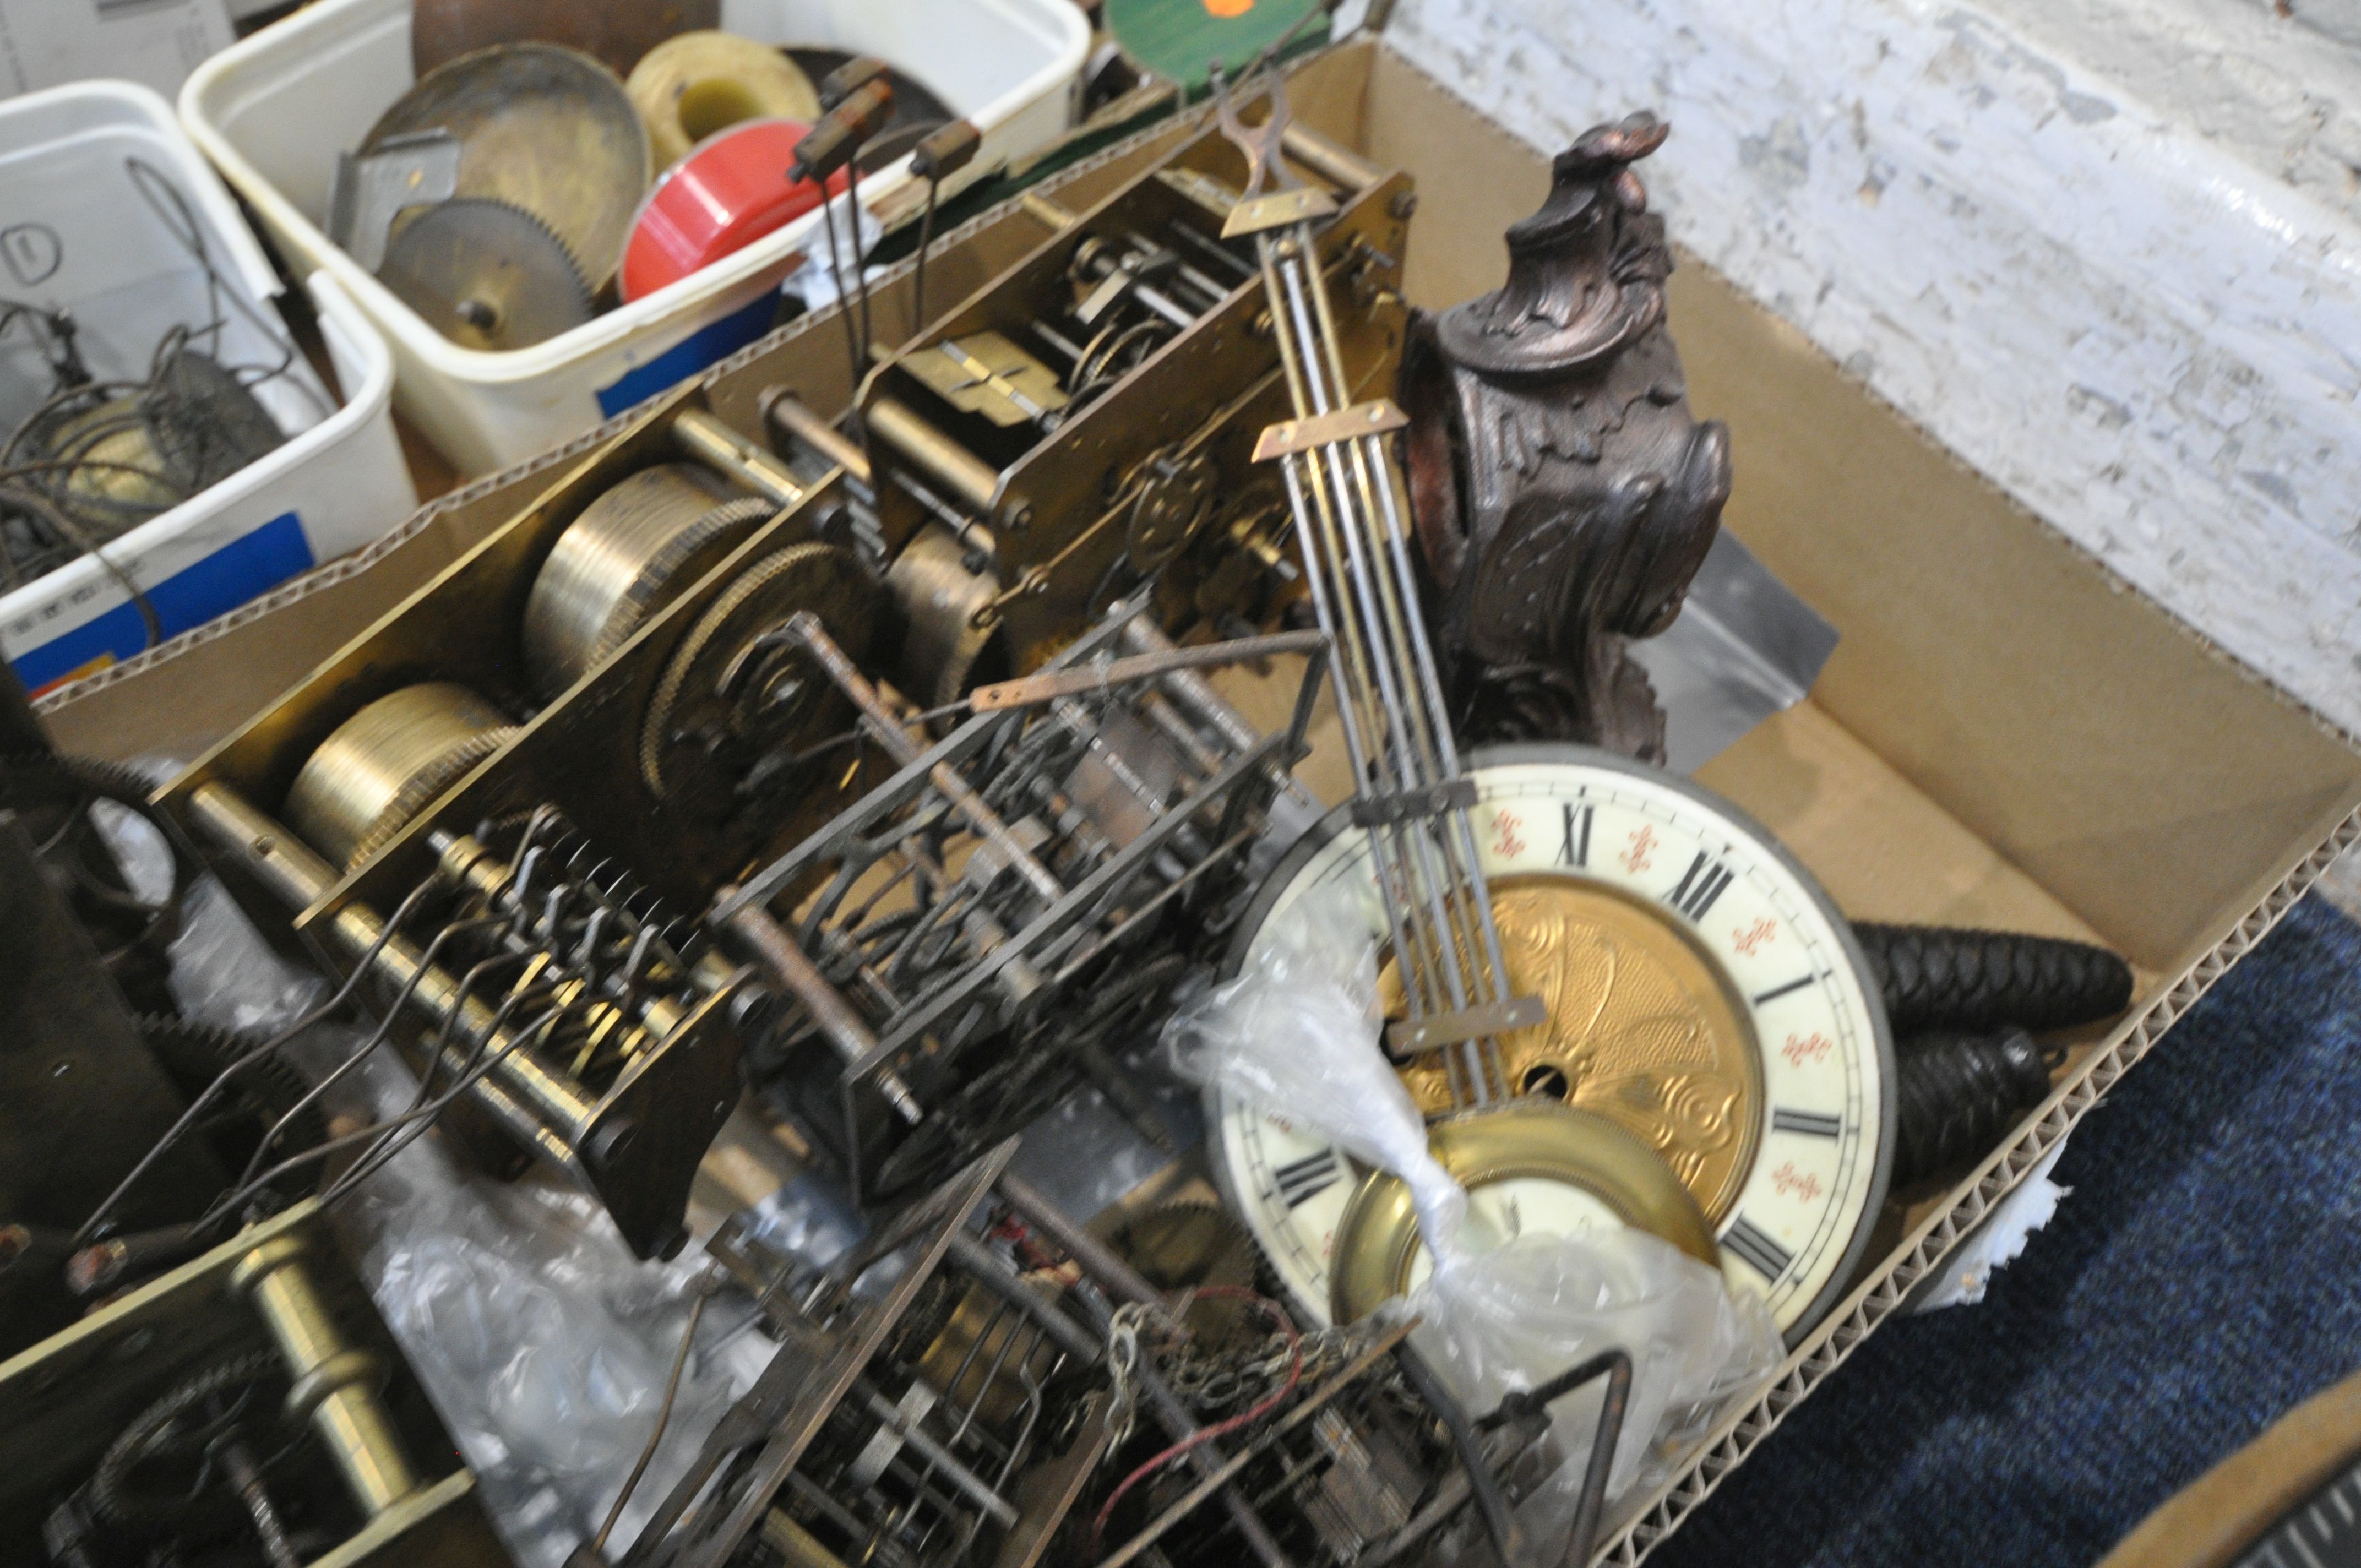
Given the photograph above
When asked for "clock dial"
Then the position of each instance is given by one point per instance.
(1704, 994)
(1643, 1029)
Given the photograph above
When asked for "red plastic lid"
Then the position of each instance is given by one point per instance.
(731, 190)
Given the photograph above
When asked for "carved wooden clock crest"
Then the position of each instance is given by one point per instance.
(1564, 496)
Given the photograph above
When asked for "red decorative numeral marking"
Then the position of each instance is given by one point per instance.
(1505, 842)
(1752, 937)
(1792, 1184)
(1643, 844)
(1801, 1049)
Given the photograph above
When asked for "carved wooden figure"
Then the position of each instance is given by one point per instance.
(1564, 494)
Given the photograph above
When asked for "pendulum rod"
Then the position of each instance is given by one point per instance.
(1412, 797)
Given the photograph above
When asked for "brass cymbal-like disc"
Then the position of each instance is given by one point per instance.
(1643, 1030)
(486, 275)
(628, 553)
(386, 763)
(541, 127)
(1549, 1169)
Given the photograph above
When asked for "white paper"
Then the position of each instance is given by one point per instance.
(1998, 1240)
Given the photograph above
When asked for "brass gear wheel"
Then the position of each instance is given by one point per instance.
(662, 575)
(420, 790)
(1177, 494)
(633, 549)
(720, 697)
(1188, 1246)
(1185, 1245)
(386, 763)
(487, 275)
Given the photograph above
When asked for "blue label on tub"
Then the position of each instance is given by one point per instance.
(690, 354)
(247, 567)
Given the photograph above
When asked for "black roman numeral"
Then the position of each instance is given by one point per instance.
(1811, 1123)
(1765, 1255)
(1301, 1181)
(1700, 885)
(1575, 850)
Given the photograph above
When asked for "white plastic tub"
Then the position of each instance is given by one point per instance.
(273, 112)
(75, 234)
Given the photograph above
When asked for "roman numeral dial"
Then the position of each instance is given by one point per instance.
(1574, 850)
(1700, 887)
(1746, 1242)
(1796, 1087)
(1300, 1180)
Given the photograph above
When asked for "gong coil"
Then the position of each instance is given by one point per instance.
(386, 763)
(623, 559)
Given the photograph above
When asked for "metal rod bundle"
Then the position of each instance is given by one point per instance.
(1410, 794)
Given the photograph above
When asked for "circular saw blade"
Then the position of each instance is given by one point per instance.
(486, 275)
(541, 127)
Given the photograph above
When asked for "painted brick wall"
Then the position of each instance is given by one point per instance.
(2138, 327)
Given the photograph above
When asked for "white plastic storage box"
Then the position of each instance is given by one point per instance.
(273, 112)
(77, 234)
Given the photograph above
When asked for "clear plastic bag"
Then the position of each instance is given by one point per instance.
(1507, 1320)
(1297, 1031)
(543, 1342)
(545, 1345)
(224, 973)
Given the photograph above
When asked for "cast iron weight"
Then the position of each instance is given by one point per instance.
(1961, 1002)
(1956, 1094)
(1942, 977)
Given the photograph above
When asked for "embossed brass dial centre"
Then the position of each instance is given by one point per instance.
(1641, 1029)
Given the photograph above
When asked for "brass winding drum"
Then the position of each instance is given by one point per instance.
(623, 559)
(383, 765)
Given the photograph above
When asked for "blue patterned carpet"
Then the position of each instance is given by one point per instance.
(2203, 1275)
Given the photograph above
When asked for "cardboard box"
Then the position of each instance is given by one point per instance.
(2007, 735)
